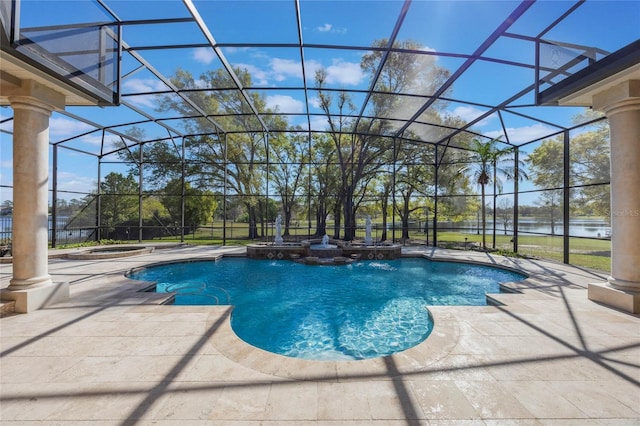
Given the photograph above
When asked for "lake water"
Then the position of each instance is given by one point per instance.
(65, 234)
(591, 228)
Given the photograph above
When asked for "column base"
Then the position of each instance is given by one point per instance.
(19, 284)
(33, 298)
(627, 301)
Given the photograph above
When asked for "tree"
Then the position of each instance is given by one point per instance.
(81, 213)
(152, 208)
(324, 181)
(118, 199)
(6, 208)
(590, 167)
(451, 182)
(487, 158)
(505, 213)
(161, 160)
(229, 160)
(550, 203)
(350, 151)
(287, 170)
(414, 176)
(589, 171)
(546, 163)
(361, 146)
(384, 184)
(199, 205)
(407, 70)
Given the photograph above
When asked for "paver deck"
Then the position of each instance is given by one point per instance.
(112, 355)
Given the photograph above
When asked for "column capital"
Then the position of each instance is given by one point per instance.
(33, 95)
(623, 96)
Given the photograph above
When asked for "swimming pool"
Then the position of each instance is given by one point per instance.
(363, 310)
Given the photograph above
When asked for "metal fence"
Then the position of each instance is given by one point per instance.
(66, 233)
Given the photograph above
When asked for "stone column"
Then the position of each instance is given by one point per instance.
(31, 286)
(621, 104)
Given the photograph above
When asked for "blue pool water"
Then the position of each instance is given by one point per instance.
(363, 310)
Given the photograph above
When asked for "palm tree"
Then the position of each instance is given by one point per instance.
(487, 158)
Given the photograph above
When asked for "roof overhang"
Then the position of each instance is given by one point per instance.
(579, 89)
(14, 70)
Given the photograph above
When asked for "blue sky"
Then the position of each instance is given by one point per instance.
(442, 27)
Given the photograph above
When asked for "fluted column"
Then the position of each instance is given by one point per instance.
(621, 104)
(31, 286)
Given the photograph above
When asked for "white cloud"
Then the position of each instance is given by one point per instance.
(231, 50)
(61, 127)
(284, 104)
(523, 134)
(329, 28)
(314, 101)
(279, 70)
(69, 181)
(283, 68)
(339, 72)
(470, 113)
(346, 73)
(93, 139)
(428, 49)
(319, 123)
(204, 55)
(137, 85)
(259, 76)
(310, 68)
(201, 84)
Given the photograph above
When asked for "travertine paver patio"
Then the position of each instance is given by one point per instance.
(114, 356)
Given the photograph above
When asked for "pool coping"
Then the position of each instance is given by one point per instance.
(440, 342)
(109, 251)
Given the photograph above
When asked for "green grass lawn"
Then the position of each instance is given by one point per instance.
(589, 253)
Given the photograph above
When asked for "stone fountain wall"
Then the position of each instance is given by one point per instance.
(324, 252)
(292, 251)
(378, 252)
(271, 251)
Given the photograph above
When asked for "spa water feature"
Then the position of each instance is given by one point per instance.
(324, 250)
